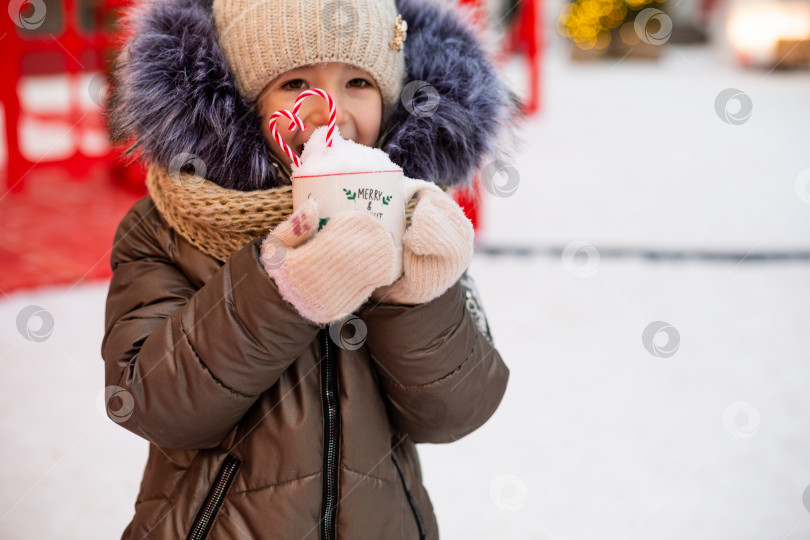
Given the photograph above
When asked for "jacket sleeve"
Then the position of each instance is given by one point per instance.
(442, 377)
(189, 362)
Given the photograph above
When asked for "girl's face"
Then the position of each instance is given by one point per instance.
(356, 95)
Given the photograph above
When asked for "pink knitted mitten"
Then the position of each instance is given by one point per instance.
(436, 250)
(328, 275)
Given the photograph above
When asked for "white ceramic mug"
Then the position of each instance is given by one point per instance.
(382, 194)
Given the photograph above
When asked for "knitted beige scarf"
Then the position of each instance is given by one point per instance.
(217, 220)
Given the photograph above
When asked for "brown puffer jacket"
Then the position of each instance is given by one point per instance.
(264, 425)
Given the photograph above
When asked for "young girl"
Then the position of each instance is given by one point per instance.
(224, 336)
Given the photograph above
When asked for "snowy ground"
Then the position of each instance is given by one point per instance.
(596, 437)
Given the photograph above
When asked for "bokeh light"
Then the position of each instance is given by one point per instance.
(589, 23)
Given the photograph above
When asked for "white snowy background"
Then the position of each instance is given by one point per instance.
(596, 437)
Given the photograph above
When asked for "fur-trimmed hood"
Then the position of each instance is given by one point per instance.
(174, 95)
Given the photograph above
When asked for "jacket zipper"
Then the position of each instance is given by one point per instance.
(213, 501)
(331, 440)
(419, 523)
(473, 302)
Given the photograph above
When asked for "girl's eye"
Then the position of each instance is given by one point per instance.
(295, 84)
(359, 83)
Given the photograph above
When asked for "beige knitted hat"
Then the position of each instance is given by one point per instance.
(262, 39)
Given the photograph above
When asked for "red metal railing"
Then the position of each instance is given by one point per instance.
(68, 37)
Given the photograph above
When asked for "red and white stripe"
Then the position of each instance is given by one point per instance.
(332, 109)
(295, 121)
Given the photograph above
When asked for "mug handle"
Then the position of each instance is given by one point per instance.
(413, 186)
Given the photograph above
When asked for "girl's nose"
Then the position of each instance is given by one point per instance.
(317, 110)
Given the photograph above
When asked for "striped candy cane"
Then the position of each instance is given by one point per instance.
(332, 110)
(295, 121)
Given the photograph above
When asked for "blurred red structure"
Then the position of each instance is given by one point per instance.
(58, 214)
(67, 37)
(523, 37)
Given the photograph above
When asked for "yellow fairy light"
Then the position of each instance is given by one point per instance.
(628, 34)
(603, 40)
(589, 22)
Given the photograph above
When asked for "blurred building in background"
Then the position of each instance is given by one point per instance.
(65, 186)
